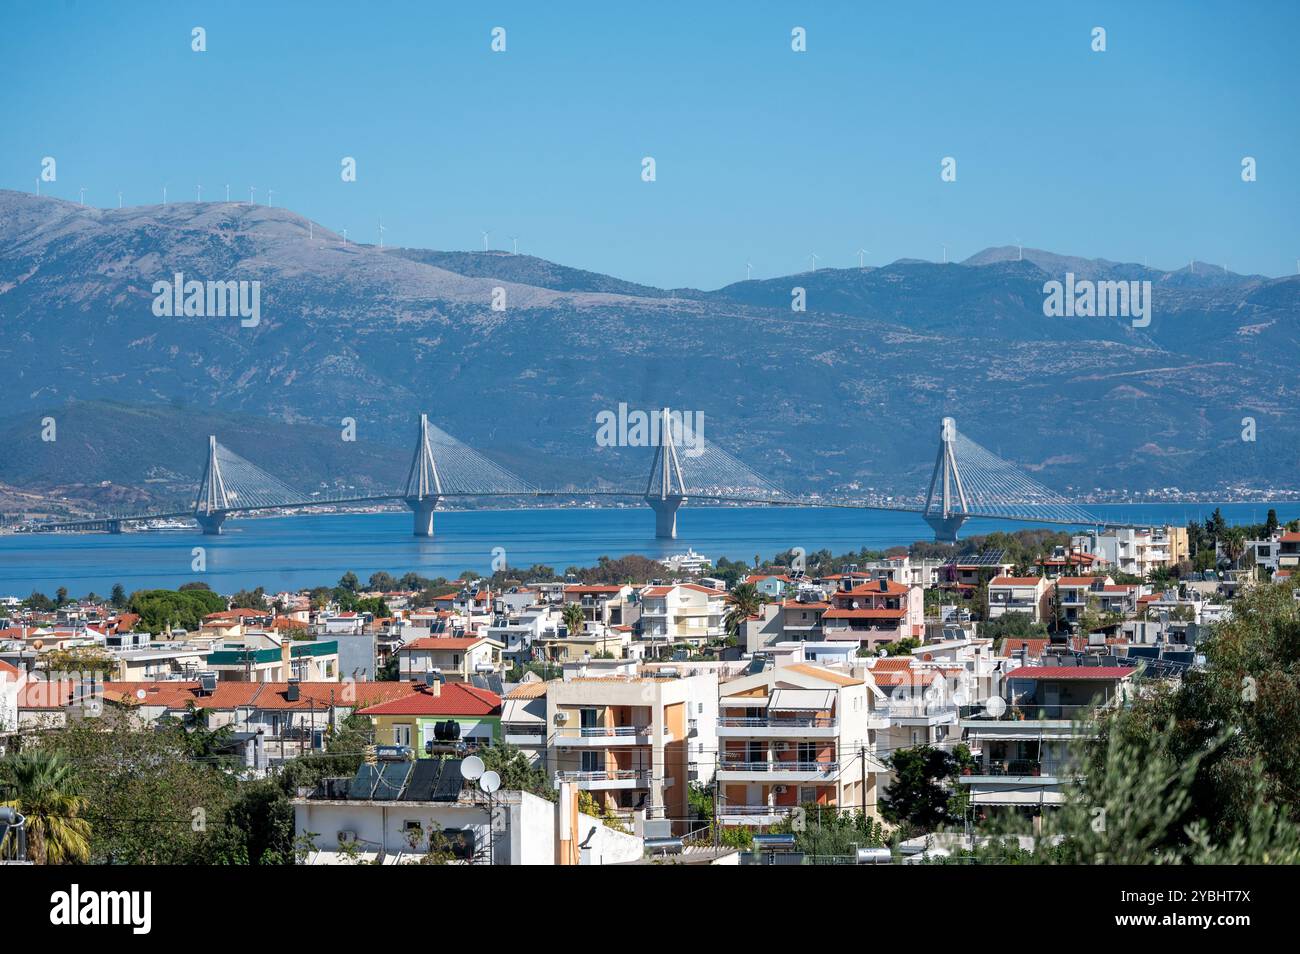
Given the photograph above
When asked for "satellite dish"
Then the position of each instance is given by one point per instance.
(995, 706)
(139, 693)
(490, 782)
(472, 768)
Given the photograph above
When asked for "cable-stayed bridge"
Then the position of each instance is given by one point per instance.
(968, 482)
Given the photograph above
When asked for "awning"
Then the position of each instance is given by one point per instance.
(745, 702)
(803, 700)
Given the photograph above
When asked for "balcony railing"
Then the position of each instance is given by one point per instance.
(794, 722)
(604, 731)
(729, 765)
(728, 810)
(1023, 767)
(1035, 712)
(613, 775)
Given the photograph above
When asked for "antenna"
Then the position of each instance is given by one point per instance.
(472, 768)
(489, 781)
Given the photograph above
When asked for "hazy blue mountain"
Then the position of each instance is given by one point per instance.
(849, 392)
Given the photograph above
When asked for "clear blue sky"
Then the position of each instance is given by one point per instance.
(763, 154)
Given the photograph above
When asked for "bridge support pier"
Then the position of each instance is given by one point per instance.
(665, 509)
(945, 528)
(422, 509)
(210, 523)
(114, 526)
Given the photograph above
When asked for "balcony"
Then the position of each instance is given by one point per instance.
(1049, 771)
(776, 771)
(775, 728)
(524, 735)
(598, 735)
(754, 815)
(607, 780)
(1026, 720)
(921, 713)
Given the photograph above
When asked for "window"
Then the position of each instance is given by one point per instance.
(401, 735)
(593, 761)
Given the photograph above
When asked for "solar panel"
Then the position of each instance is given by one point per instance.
(984, 558)
(392, 779)
(364, 781)
(423, 781)
(450, 782)
(494, 685)
(1144, 652)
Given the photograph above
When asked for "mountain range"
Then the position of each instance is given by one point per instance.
(844, 396)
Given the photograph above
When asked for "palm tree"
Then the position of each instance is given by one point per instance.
(574, 619)
(41, 785)
(745, 602)
(1234, 544)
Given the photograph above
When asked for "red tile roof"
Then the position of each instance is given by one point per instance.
(1015, 581)
(455, 698)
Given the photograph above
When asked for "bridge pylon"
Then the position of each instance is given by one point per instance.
(950, 510)
(423, 483)
(665, 491)
(212, 504)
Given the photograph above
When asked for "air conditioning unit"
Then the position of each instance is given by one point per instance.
(782, 746)
(561, 718)
(347, 837)
(778, 789)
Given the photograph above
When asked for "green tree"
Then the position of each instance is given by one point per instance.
(515, 771)
(923, 796)
(44, 789)
(574, 620)
(746, 601)
(118, 597)
(348, 581)
(159, 609)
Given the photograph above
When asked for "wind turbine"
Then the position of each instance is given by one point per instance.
(1020, 250)
(251, 191)
(862, 254)
(83, 196)
(164, 195)
(119, 198)
(749, 271)
(814, 256)
(269, 193)
(345, 236)
(485, 240)
(198, 192)
(38, 190)
(514, 239)
(945, 254)
(381, 233)
(227, 191)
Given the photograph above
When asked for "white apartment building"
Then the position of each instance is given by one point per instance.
(682, 613)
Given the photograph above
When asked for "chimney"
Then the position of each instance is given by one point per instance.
(286, 656)
(291, 693)
(435, 690)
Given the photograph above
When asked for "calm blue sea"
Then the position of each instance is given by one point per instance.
(293, 552)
